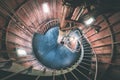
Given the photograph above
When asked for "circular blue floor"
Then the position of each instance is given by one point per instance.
(50, 53)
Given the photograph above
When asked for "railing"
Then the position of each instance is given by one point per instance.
(52, 72)
(45, 26)
(96, 59)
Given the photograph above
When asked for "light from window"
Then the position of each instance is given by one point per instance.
(45, 7)
(89, 21)
(21, 52)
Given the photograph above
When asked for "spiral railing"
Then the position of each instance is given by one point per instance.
(84, 69)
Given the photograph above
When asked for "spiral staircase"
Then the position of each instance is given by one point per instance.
(97, 45)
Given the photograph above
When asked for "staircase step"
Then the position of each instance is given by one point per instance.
(59, 77)
(79, 75)
(101, 70)
(114, 72)
(46, 78)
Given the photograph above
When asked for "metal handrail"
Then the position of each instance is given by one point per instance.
(44, 25)
(95, 58)
(58, 72)
(53, 22)
(65, 71)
